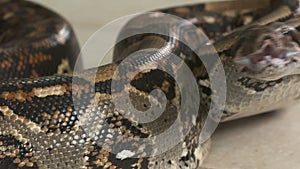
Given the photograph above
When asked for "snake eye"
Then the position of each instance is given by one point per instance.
(267, 37)
(270, 39)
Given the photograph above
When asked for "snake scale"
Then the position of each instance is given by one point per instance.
(50, 118)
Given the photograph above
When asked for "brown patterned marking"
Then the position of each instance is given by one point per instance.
(7, 63)
(34, 73)
(243, 4)
(103, 74)
(33, 59)
(57, 90)
(22, 96)
(166, 85)
(48, 43)
(38, 58)
(18, 95)
(8, 15)
(280, 13)
(102, 158)
(141, 70)
(182, 10)
(79, 89)
(64, 67)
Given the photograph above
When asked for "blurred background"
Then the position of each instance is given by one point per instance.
(268, 141)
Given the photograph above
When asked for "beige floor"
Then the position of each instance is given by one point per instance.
(269, 141)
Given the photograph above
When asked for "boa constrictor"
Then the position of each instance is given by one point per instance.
(71, 120)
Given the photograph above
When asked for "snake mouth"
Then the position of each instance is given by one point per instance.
(271, 62)
(268, 52)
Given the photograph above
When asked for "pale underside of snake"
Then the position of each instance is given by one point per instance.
(71, 120)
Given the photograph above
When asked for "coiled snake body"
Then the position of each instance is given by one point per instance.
(44, 117)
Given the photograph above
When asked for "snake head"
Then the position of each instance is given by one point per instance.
(268, 52)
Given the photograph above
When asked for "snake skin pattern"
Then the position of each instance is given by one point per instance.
(52, 119)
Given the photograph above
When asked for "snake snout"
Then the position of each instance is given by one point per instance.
(269, 56)
(270, 62)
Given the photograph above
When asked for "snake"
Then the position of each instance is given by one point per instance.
(53, 118)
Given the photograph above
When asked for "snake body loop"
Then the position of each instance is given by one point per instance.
(50, 118)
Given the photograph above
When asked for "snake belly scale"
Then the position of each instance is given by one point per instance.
(41, 126)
